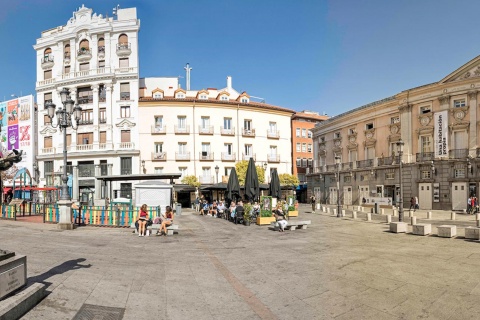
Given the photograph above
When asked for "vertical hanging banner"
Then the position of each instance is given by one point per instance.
(441, 134)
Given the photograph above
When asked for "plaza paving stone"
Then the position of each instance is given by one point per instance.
(338, 268)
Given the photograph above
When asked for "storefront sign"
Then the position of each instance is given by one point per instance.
(441, 134)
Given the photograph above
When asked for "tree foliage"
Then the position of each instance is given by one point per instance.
(288, 179)
(241, 168)
(191, 181)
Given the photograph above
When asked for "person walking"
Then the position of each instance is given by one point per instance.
(469, 205)
(313, 200)
(412, 204)
(197, 204)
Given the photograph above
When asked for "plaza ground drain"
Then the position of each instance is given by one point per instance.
(93, 312)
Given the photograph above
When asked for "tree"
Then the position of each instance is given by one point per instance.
(241, 168)
(191, 181)
(288, 179)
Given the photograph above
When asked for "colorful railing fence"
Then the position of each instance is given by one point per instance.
(9, 212)
(110, 216)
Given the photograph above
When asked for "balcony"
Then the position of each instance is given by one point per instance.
(81, 147)
(205, 156)
(84, 55)
(47, 62)
(205, 130)
(389, 161)
(86, 170)
(83, 122)
(85, 99)
(48, 150)
(66, 58)
(182, 130)
(105, 146)
(206, 179)
(103, 169)
(273, 158)
(158, 130)
(102, 120)
(365, 163)
(331, 167)
(248, 156)
(248, 132)
(228, 156)
(101, 52)
(458, 153)
(425, 156)
(126, 145)
(124, 95)
(159, 156)
(185, 156)
(273, 134)
(123, 49)
(227, 132)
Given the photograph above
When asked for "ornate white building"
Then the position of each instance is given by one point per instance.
(96, 58)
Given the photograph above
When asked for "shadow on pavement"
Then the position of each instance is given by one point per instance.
(61, 268)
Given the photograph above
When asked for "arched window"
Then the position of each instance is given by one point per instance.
(84, 45)
(101, 45)
(123, 39)
(47, 52)
(66, 51)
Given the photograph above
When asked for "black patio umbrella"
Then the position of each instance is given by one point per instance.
(233, 187)
(252, 190)
(275, 189)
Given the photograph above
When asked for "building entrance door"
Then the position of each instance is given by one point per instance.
(459, 195)
(347, 195)
(425, 196)
(363, 193)
(332, 195)
(389, 192)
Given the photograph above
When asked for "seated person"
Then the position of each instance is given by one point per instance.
(220, 209)
(213, 209)
(256, 209)
(280, 217)
(168, 220)
(204, 209)
(239, 211)
(232, 210)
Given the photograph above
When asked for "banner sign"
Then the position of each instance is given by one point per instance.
(441, 134)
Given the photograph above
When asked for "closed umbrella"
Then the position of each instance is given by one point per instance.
(252, 190)
(275, 189)
(233, 187)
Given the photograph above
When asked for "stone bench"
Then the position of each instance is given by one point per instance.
(398, 227)
(422, 229)
(472, 233)
(447, 231)
(292, 225)
(170, 228)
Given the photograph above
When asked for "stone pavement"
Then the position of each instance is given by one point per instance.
(213, 269)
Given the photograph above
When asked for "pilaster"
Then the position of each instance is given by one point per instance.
(98, 183)
(75, 183)
(472, 135)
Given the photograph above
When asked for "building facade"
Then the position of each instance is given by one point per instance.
(197, 132)
(96, 58)
(439, 126)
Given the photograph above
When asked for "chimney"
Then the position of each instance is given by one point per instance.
(229, 83)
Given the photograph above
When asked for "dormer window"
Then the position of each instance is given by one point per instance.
(224, 98)
(203, 97)
(244, 100)
(180, 96)
(157, 95)
(426, 109)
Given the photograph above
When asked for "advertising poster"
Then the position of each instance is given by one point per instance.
(12, 115)
(441, 134)
(13, 137)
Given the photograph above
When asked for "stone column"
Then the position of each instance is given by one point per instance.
(96, 131)
(109, 169)
(73, 143)
(472, 135)
(109, 114)
(98, 184)
(75, 184)
(406, 133)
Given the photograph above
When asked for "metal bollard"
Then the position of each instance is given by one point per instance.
(382, 211)
(343, 212)
(413, 220)
(452, 216)
(394, 213)
(389, 218)
(429, 215)
(369, 216)
(410, 213)
(354, 215)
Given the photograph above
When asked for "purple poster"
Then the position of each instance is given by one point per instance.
(12, 137)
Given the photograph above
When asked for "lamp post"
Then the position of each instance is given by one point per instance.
(216, 171)
(400, 144)
(265, 171)
(337, 162)
(64, 121)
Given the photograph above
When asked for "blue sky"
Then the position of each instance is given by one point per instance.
(325, 56)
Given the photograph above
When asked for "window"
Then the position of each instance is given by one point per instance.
(205, 122)
(299, 162)
(48, 171)
(395, 120)
(123, 39)
(205, 149)
(227, 171)
(273, 150)
(310, 163)
(47, 142)
(84, 138)
(297, 132)
(244, 100)
(46, 120)
(84, 66)
(352, 155)
(370, 153)
(304, 147)
(180, 95)
(126, 165)
(304, 163)
(425, 109)
(84, 45)
(224, 98)
(351, 131)
(309, 134)
(85, 95)
(102, 93)
(459, 103)
(390, 174)
(66, 51)
(103, 136)
(182, 122)
(102, 114)
(369, 126)
(183, 171)
(426, 144)
(125, 136)
(66, 69)
(47, 74)
(158, 147)
(159, 122)
(123, 62)
(248, 150)
(158, 170)
(247, 125)
(87, 117)
(69, 139)
(336, 135)
(459, 172)
(125, 91)
(322, 139)
(125, 111)
(304, 133)
(227, 123)
(347, 179)
(309, 147)
(426, 174)
(158, 95)
(182, 148)
(298, 147)
(47, 97)
(203, 97)
(101, 45)
(228, 148)
(101, 64)
(272, 127)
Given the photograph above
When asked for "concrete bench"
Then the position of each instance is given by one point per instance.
(472, 233)
(422, 229)
(447, 231)
(292, 225)
(398, 227)
(170, 229)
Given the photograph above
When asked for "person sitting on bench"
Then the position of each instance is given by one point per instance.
(204, 210)
(168, 220)
(280, 217)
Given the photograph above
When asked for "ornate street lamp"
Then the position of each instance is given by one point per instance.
(216, 171)
(337, 162)
(64, 121)
(400, 144)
